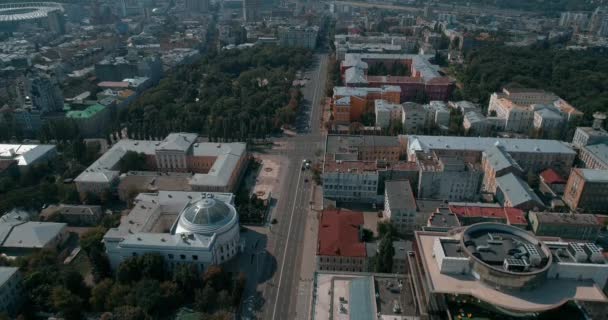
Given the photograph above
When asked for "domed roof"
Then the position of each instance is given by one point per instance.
(205, 216)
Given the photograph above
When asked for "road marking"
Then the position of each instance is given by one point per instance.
(314, 96)
(274, 310)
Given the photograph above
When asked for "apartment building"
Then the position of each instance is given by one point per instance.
(587, 190)
(575, 226)
(595, 156)
(496, 162)
(521, 110)
(513, 192)
(424, 78)
(400, 205)
(340, 246)
(350, 103)
(448, 178)
(387, 113)
(530, 154)
(415, 118)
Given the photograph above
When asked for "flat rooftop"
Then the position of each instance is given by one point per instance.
(550, 295)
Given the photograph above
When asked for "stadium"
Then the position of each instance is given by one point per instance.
(13, 14)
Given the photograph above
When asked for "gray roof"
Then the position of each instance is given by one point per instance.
(558, 218)
(499, 159)
(600, 151)
(178, 142)
(400, 195)
(354, 75)
(362, 92)
(33, 234)
(6, 273)
(25, 154)
(593, 175)
(361, 297)
(351, 143)
(427, 143)
(516, 190)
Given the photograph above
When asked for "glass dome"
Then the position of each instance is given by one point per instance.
(206, 216)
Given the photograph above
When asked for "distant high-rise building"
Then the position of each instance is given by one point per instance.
(251, 10)
(603, 30)
(197, 5)
(576, 20)
(45, 93)
(57, 21)
(597, 18)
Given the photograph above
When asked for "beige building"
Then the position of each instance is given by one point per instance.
(215, 167)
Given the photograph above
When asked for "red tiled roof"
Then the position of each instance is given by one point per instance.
(552, 177)
(339, 234)
(515, 216)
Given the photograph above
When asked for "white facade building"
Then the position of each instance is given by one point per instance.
(386, 113)
(415, 118)
(183, 227)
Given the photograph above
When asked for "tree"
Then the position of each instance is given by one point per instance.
(148, 296)
(384, 259)
(129, 313)
(205, 299)
(67, 303)
(187, 277)
(100, 294)
(132, 161)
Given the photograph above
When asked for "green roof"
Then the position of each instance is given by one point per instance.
(361, 299)
(86, 113)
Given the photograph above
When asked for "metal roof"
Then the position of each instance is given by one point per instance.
(400, 195)
(516, 190)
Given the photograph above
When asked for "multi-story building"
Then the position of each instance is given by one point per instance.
(27, 155)
(448, 178)
(496, 162)
(521, 110)
(415, 118)
(424, 78)
(512, 191)
(298, 36)
(45, 93)
(252, 10)
(595, 156)
(591, 135)
(57, 21)
(217, 167)
(197, 5)
(530, 154)
(597, 18)
(203, 229)
(587, 190)
(576, 20)
(11, 290)
(349, 103)
(355, 295)
(502, 270)
(387, 113)
(400, 205)
(460, 214)
(356, 167)
(340, 246)
(22, 237)
(439, 114)
(73, 215)
(92, 121)
(576, 226)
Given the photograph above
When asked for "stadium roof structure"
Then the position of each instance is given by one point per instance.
(24, 11)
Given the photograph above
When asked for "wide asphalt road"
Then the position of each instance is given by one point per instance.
(287, 235)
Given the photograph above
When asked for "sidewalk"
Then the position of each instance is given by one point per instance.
(307, 271)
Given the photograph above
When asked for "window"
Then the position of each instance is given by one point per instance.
(195, 257)
(182, 256)
(134, 254)
(171, 256)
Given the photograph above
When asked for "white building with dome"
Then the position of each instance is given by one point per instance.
(183, 227)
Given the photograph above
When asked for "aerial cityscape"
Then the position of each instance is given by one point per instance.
(304, 159)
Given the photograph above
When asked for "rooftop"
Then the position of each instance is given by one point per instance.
(510, 215)
(516, 190)
(557, 218)
(499, 159)
(32, 234)
(599, 151)
(550, 176)
(425, 143)
(24, 154)
(551, 294)
(86, 113)
(400, 195)
(592, 175)
(352, 143)
(339, 234)
(6, 273)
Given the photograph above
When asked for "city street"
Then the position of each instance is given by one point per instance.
(286, 239)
